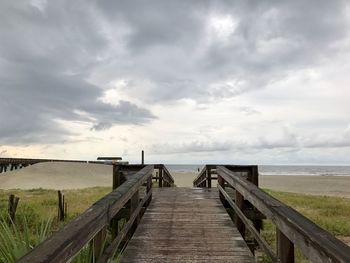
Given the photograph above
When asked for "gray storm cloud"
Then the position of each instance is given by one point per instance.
(57, 58)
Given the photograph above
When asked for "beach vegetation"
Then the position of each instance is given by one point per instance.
(36, 217)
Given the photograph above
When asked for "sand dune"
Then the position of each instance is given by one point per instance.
(77, 175)
(54, 175)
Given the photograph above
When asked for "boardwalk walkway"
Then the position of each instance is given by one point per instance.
(186, 225)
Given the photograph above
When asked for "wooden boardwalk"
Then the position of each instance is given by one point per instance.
(186, 225)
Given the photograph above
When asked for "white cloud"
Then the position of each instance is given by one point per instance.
(265, 81)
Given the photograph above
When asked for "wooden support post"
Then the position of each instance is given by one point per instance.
(134, 202)
(209, 177)
(99, 243)
(148, 189)
(61, 205)
(239, 200)
(255, 175)
(285, 248)
(1, 169)
(160, 180)
(142, 157)
(221, 182)
(116, 183)
(116, 176)
(157, 176)
(12, 208)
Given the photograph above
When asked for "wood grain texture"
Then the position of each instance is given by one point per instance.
(316, 244)
(66, 243)
(186, 225)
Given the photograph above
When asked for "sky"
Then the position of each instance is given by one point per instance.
(258, 82)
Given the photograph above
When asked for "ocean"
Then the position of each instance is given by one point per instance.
(302, 170)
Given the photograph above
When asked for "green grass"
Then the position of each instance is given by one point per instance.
(37, 207)
(39, 204)
(330, 213)
(36, 218)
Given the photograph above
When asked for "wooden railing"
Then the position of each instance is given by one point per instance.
(205, 176)
(124, 202)
(164, 177)
(292, 228)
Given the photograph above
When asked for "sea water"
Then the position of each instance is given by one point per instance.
(301, 170)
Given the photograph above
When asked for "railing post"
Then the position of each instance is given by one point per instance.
(221, 182)
(116, 176)
(116, 184)
(239, 200)
(134, 202)
(285, 248)
(160, 179)
(148, 189)
(255, 175)
(209, 177)
(98, 243)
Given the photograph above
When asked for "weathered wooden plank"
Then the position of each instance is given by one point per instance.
(285, 248)
(201, 230)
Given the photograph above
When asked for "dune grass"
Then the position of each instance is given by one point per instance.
(40, 205)
(330, 213)
(36, 219)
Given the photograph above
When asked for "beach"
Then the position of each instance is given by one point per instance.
(77, 176)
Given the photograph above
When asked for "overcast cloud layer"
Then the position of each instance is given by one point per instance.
(188, 81)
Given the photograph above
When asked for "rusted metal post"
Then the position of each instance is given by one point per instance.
(285, 248)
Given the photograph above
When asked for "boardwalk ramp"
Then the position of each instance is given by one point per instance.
(186, 225)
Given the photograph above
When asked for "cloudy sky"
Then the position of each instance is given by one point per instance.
(262, 82)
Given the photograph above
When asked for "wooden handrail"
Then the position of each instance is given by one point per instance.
(168, 178)
(67, 242)
(316, 244)
(201, 177)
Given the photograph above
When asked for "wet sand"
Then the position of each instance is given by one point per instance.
(76, 176)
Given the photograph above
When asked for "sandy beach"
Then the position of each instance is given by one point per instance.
(76, 176)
